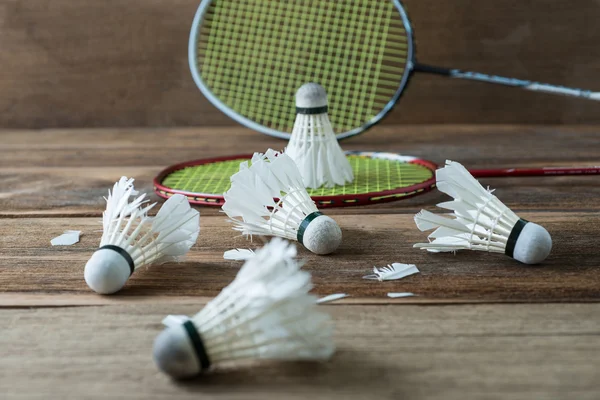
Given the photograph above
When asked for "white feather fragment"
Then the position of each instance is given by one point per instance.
(392, 272)
(332, 297)
(172, 320)
(400, 295)
(238, 254)
(68, 238)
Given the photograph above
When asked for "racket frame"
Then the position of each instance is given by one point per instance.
(193, 64)
(411, 67)
(211, 199)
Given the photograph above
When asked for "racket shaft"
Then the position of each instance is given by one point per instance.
(499, 80)
(550, 171)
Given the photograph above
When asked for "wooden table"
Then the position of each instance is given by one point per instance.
(483, 326)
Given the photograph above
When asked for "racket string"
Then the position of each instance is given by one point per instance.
(371, 175)
(253, 62)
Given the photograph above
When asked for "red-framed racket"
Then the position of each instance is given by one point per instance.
(379, 177)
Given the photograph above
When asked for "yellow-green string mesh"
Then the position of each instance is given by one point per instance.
(254, 55)
(371, 175)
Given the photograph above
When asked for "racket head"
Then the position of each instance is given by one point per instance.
(378, 177)
(248, 57)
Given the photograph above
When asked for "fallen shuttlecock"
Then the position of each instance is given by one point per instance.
(481, 221)
(265, 313)
(131, 238)
(250, 204)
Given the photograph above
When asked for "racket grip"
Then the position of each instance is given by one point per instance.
(500, 80)
(549, 171)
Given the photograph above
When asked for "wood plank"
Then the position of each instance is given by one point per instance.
(67, 172)
(29, 264)
(16, 300)
(452, 352)
(125, 63)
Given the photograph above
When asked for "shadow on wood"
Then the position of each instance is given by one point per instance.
(348, 369)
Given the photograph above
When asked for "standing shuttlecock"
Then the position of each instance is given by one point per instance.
(265, 313)
(269, 198)
(482, 222)
(313, 144)
(132, 239)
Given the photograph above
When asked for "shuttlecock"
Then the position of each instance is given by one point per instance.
(265, 313)
(313, 144)
(481, 221)
(251, 204)
(131, 238)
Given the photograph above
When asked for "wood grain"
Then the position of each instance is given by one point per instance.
(451, 352)
(60, 340)
(572, 273)
(67, 172)
(71, 63)
(26, 300)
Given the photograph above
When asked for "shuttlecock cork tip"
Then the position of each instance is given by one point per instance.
(533, 244)
(322, 234)
(108, 269)
(311, 98)
(174, 353)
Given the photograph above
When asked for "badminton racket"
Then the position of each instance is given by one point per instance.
(378, 178)
(249, 57)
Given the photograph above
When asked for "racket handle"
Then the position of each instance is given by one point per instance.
(549, 171)
(499, 80)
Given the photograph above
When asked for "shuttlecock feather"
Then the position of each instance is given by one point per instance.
(392, 272)
(269, 198)
(265, 313)
(313, 144)
(481, 221)
(131, 238)
(238, 254)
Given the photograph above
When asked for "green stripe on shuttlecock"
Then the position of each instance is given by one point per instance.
(254, 54)
(370, 175)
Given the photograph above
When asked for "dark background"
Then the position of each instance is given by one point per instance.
(120, 63)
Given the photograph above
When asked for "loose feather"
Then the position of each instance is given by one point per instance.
(238, 254)
(332, 297)
(392, 272)
(400, 295)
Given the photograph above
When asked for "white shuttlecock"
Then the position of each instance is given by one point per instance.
(313, 144)
(481, 221)
(132, 239)
(265, 313)
(250, 204)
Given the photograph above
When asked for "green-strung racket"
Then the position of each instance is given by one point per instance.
(378, 177)
(249, 57)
